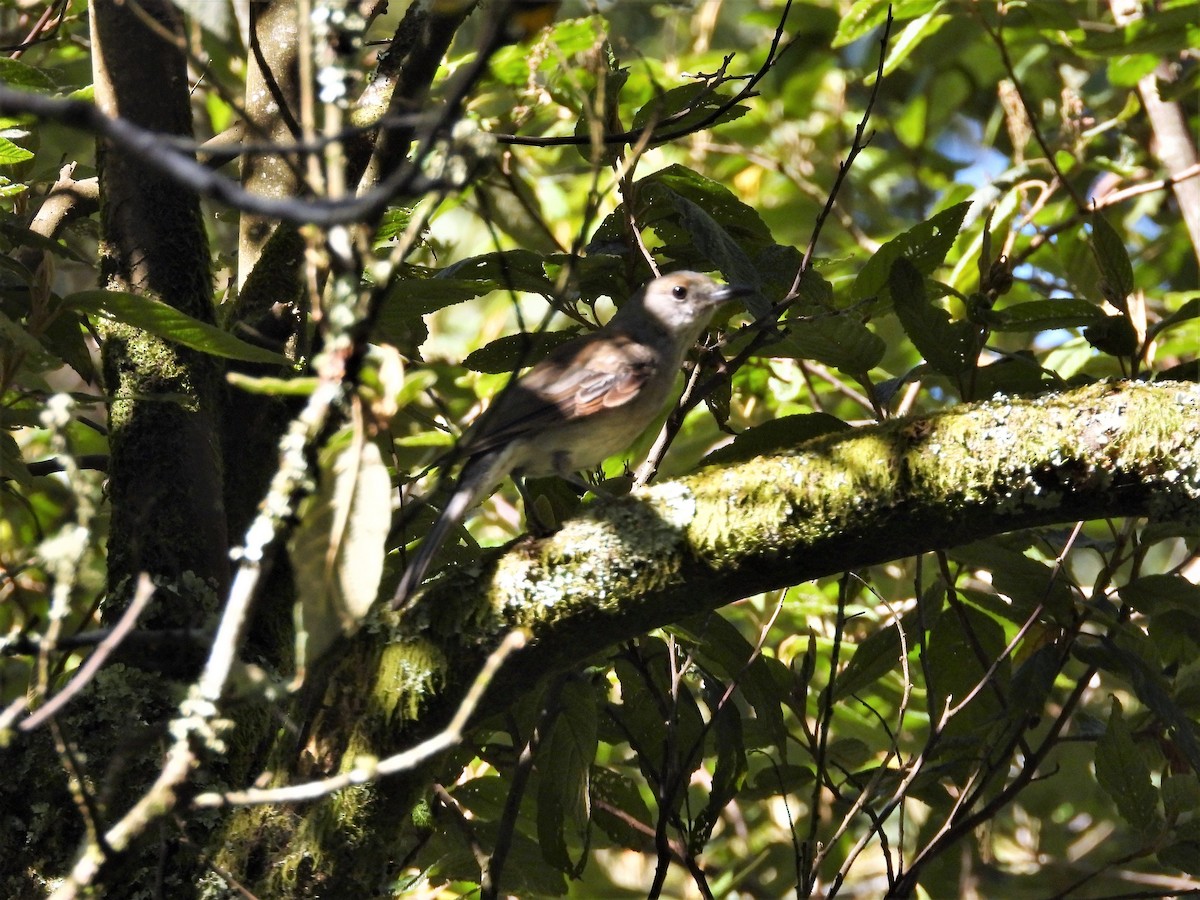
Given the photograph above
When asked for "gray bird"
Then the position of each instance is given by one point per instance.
(587, 400)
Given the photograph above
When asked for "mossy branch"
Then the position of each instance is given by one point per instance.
(684, 547)
(839, 502)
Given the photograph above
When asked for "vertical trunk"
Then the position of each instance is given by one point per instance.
(165, 471)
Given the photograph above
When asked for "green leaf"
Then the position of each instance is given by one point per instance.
(16, 74)
(873, 658)
(865, 15)
(911, 37)
(509, 270)
(11, 154)
(9, 188)
(666, 104)
(273, 387)
(17, 336)
(1116, 271)
(23, 237)
(393, 223)
(410, 298)
(616, 801)
(777, 781)
(569, 37)
(1065, 160)
(696, 101)
(645, 693)
(738, 219)
(731, 232)
(338, 548)
(1180, 795)
(169, 323)
(1127, 71)
(1175, 634)
(778, 265)
(1181, 855)
(65, 337)
(717, 245)
(1154, 594)
(1165, 32)
(962, 644)
(517, 351)
(949, 347)
(723, 650)
(1032, 683)
(1123, 773)
(728, 774)
(564, 767)
(1046, 315)
(1025, 581)
(1114, 335)
(924, 245)
(774, 436)
(1017, 374)
(849, 753)
(841, 341)
(1190, 309)
(1146, 679)
(12, 465)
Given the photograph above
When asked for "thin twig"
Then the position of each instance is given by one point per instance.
(997, 36)
(489, 883)
(811, 854)
(464, 825)
(86, 672)
(365, 772)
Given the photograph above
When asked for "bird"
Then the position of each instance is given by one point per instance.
(590, 398)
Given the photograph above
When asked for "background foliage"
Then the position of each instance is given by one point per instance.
(1013, 717)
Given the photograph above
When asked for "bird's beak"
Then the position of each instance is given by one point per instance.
(727, 292)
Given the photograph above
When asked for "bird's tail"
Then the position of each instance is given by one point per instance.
(478, 477)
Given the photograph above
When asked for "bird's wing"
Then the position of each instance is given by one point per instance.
(579, 379)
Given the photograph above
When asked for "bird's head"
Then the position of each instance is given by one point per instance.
(686, 300)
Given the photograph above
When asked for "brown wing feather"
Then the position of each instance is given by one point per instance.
(580, 379)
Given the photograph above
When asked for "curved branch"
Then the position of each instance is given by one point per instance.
(840, 502)
(683, 547)
(155, 149)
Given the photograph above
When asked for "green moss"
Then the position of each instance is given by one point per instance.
(407, 675)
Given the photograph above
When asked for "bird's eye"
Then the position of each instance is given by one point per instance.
(679, 292)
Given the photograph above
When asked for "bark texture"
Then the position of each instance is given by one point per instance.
(165, 469)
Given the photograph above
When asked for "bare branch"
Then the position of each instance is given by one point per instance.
(86, 672)
(449, 737)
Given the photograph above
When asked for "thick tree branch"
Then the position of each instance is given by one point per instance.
(685, 547)
(840, 502)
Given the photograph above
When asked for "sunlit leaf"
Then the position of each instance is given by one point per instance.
(1045, 315)
(338, 548)
(169, 323)
(950, 347)
(11, 154)
(924, 246)
(841, 341)
(16, 74)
